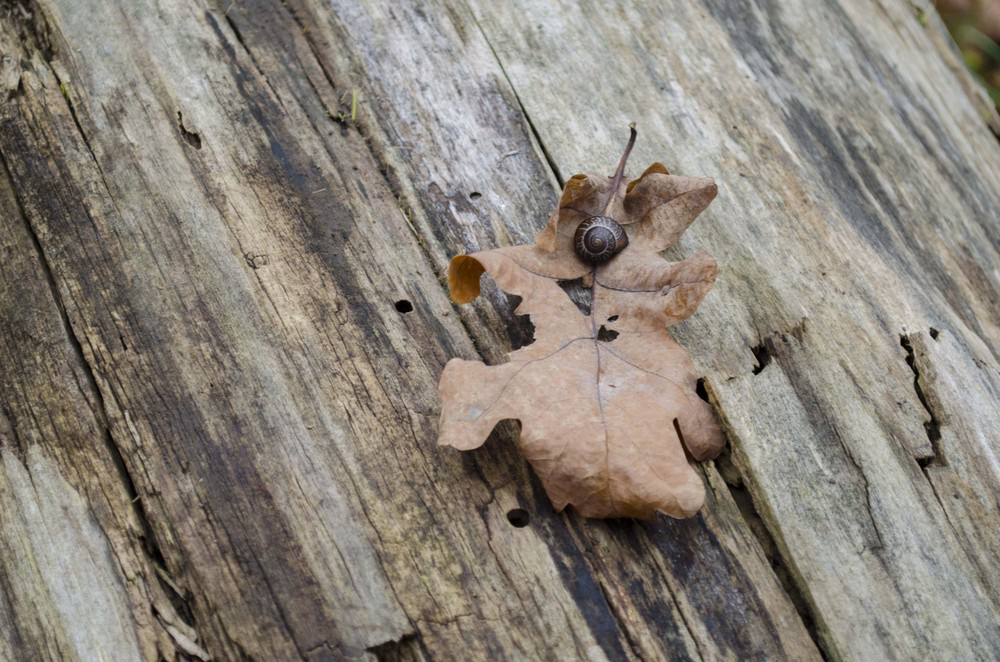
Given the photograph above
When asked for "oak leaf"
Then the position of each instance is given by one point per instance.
(605, 400)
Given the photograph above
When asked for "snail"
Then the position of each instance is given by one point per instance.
(598, 239)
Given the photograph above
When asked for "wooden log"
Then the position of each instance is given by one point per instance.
(223, 320)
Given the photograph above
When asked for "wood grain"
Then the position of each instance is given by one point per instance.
(210, 212)
(880, 222)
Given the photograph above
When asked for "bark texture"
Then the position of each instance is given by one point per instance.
(222, 323)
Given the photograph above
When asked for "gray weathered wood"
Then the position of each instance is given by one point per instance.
(217, 426)
(861, 206)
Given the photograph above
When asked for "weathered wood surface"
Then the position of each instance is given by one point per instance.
(218, 433)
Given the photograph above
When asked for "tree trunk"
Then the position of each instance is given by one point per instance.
(219, 421)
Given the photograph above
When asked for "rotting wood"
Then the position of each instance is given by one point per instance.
(251, 439)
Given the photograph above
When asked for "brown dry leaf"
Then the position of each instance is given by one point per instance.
(601, 397)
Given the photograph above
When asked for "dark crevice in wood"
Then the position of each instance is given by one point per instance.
(192, 138)
(7, 426)
(849, 456)
(149, 543)
(933, 426)
(577, 567)
(700, 390)
(31, 26)
(762, 355)
(527, 118)
(406, 647)
(63, 85)
(767, 348)
(680, 437)
(993, 123)
(565, 548)
(238, 34)
(16, 640)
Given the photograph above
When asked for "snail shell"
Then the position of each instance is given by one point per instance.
(598, 239)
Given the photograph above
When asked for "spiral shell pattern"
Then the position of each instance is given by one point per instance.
(598, 239)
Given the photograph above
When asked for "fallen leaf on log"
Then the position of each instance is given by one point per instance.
(605, 400)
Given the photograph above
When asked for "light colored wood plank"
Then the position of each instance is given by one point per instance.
(57, 564)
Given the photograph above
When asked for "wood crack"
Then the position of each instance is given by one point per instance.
(398, 649)
(730, 465)
(253, 61)
(933, 425)
(868, 496)
(520, 104)
(620, 622)
(765, 534)
(64, 86)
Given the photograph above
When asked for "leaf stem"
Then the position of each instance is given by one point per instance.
(617, 181)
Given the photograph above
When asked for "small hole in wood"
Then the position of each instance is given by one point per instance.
(934, 333)
(404, 306)
(613, 318)
(518, 518)
(475, 195)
